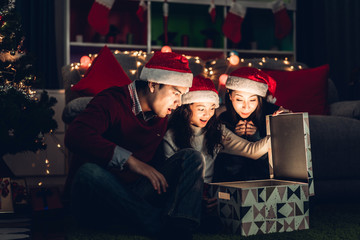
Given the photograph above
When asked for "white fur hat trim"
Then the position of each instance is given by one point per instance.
(167, 77)
(246, 85)
(201, 96)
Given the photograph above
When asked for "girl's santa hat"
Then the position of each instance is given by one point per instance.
(168, 68)
(252, 80)
(202, 90)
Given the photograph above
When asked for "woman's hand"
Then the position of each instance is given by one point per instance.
(156, 178)
(281, 110)
(250, 128)
(210, 204)
(244, 127)
(240, 128)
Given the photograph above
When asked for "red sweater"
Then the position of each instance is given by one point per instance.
(108, 121)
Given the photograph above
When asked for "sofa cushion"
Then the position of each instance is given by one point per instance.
(302, 90)
(104, 72)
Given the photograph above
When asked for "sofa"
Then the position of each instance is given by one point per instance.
(334, 134)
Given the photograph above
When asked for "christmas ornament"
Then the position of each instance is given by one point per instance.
(233, 21)
(282, 20)
(141, 10)
(99, 14)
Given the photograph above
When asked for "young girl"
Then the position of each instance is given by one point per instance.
(248, 100)
(194, 125)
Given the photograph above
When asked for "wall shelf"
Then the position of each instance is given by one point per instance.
(145, 36)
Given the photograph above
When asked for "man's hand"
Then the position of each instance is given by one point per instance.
(156, 178)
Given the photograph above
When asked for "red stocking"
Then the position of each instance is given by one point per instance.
(98, 15)
(233, 21)
(282, 20)
(141, 10)
(212, 11)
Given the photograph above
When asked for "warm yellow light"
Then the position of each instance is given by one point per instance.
(59, 146)
(47, 171)
(85, 61)
(211, 72)
(166, 49)
(138, 64)
(46, 161)
(234, 60)
(222, 79)
(250, 64)
(40, 184)
(133, 72)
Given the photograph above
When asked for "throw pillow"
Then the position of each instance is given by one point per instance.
(302, 90)
(104, 72)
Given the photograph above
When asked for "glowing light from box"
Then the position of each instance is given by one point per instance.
(222, 79)
(165, 49)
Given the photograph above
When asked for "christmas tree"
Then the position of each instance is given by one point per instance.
(24, 117)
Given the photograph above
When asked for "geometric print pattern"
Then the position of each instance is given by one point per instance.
(261, 210)
(276, 206)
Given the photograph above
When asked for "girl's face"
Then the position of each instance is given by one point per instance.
(244, 103)
(201, 113)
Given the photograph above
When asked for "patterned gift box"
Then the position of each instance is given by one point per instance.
(278, 204)
(6, 204)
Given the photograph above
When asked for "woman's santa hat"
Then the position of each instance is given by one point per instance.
(168, 68)
(202, 90)
(252, 80)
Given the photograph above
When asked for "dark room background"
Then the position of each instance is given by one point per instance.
(328, 31)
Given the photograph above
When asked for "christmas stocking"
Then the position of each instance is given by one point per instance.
(98, 15)
(165, 16)
(232, 25)
(141, 10)
(282, 20)
(212, 11)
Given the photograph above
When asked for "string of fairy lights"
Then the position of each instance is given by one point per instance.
(217, 70)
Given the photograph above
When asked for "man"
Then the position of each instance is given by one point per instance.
(118, 175)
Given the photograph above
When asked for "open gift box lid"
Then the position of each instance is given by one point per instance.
(290, 150)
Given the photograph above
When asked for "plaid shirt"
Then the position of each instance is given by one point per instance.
(136, 107)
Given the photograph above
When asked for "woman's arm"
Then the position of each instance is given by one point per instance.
(236, 145)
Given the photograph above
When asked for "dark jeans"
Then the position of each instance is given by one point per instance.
(99, 197)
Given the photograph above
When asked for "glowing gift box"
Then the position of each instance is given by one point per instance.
(278, 204)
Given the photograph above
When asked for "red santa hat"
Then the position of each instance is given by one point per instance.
(202, 90)
(252, 80)
(168, 68)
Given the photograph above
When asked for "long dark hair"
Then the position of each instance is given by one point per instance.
(256, 116)
(179, 123)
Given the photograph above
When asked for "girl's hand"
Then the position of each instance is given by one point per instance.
(210, 204)
(281, 110)
(240, 128)
(250, 128)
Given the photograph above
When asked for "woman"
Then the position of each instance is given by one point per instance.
(248, 100)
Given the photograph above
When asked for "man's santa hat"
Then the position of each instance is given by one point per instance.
(168, 68)
(252, 80)
(202, 90)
